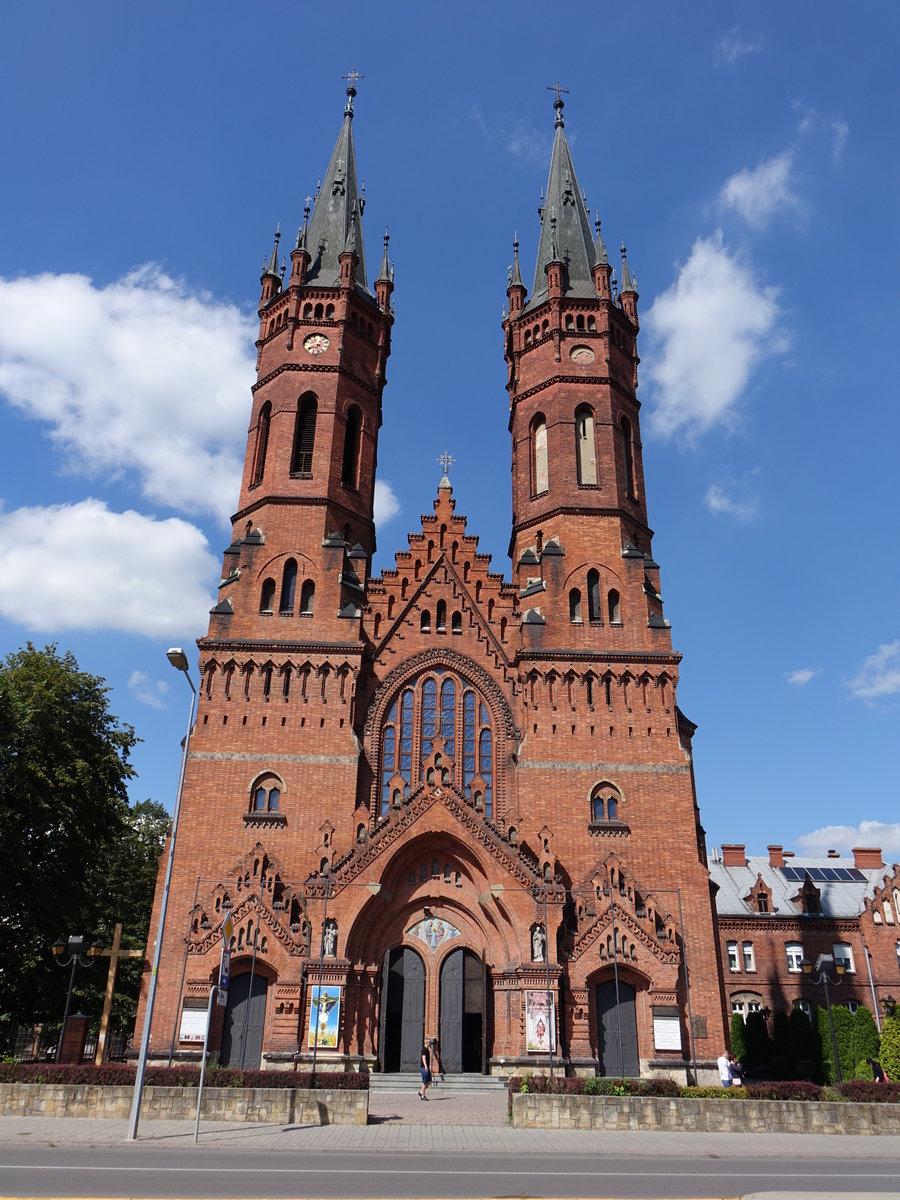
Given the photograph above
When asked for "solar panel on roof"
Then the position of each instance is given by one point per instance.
(823, 874)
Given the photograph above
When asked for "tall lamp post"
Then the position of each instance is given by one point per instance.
(178, 659)
(823, 963)
(79, 956)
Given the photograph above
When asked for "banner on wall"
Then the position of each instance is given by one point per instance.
(540, 1022)
(325, 1016)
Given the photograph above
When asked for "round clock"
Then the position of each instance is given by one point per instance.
(316, 343)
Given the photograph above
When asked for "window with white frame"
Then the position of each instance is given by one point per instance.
(852, 1005)
(746, 1003)
(794, 954)
(804, 1007)
(747, 955)
(733, 964)
(843, 953)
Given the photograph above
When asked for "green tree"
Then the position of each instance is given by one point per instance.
(843, 1033)
(864, 1042)
(64, 767)
(889, 1054)
(738, 1041)
(757, 1046)
(806, 1050)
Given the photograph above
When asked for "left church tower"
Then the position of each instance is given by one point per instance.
(280, 664)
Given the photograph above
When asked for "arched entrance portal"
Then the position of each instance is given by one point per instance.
(617, 1042)
(245, 1018)
(463, 1009)
(402, 1010)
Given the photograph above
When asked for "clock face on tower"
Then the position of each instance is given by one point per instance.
(316, 343)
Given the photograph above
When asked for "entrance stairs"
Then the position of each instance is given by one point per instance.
(407, 1081)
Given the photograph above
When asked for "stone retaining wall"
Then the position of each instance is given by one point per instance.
(280, 1106)
(532, 1111)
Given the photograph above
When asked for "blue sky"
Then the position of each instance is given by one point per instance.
(745, 152)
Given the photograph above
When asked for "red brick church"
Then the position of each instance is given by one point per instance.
(460, 805)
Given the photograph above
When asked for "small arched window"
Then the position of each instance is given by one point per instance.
(441, 616)
(307, 598)
(627, 456)
(575, 606)
(267, 596)
(540, 478)
(425, 622)
(456, 623)
(585, 457)
(288, 586)
(265, 795)
(604, 803)
(304, 435)
(595, 612)
(615, 609)
(262, 442)
(350, 467)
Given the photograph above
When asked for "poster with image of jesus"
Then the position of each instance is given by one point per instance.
(324, 1017)
(540, 1022)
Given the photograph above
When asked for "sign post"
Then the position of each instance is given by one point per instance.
(218, 992)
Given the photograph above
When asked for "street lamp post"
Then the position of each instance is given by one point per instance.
(78, 957)
(178, 659)
(823, 962)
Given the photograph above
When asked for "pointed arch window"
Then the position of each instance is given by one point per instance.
(540, 476)
(595, 610)
(267, 596)
(304, 435)
(440, 619)
(575, 606)
(585, 456)
(615, 607)
(307, 598)
(350, 466)
(262, 442)
(627, 457)
(288, 587)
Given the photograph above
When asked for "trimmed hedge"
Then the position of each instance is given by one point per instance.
(122, 1075)
(858, 1091)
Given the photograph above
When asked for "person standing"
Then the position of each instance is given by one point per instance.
(723, 1062)
(425, 1071)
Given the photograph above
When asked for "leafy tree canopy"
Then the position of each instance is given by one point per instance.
(74, 857)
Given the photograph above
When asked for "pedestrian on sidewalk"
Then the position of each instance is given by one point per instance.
(425, 1071)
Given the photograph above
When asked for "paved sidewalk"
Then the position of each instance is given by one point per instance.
(474, 1123)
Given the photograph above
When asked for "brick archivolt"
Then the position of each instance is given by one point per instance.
(633, 688)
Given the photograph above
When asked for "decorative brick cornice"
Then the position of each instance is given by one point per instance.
(664, 953)
(295, 501)
(217, 646)
(317, 369)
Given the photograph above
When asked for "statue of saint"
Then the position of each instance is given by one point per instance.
(538, 942)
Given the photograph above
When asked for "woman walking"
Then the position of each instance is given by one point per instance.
(425, 1071)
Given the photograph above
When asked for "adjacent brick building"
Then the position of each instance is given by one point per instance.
(776, 911)
(441, 793)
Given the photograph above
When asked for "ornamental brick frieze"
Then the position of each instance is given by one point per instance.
(317, 369)
(221, 651)
(591, 381)
(604, 926)
(452, 660)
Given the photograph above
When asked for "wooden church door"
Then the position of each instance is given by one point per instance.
(618, 1057)
(402, 1010)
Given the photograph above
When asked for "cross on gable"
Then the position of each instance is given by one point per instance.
(445, 461)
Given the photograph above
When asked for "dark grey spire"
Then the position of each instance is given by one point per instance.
(515, 278)
(272, 267)
(335, 225)
(600, 256)
(384, 275)
(627, 281)
(568, 236)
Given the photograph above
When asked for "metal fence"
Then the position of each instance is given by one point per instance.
(37, 1043)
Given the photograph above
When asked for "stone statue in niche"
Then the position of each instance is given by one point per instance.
(329, 939)
(538, 942)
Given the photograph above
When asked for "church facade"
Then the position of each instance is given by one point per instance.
(441, 803)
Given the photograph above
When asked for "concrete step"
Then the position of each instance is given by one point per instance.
(409, 1082)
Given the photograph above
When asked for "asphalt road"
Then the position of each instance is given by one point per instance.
(142, 1171)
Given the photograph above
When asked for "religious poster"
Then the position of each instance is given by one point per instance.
(193, 1019)
(325, 1017)
(540, 1022)
(433, 931)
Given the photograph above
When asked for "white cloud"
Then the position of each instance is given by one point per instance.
(518, 136)
(710, 331)
(802, 676)
(840, 131)
(149, 691)
(733, 498)
(386, 504)
(81, 566)
(731, 46)
(139, 379)
(757, 195)
(879, 674)
(885, 834)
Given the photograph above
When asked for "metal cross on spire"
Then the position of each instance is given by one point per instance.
(558, 88)
(352, 76)
(445, 461)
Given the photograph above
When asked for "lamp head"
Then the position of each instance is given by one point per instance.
(58, 948)
(806, 966)
(96, 949)
(177, 658)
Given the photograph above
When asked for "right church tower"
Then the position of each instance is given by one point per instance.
(605, 766)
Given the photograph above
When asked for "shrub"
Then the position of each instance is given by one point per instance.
(864, 1041)
(121, 1074)
(738, 1043)
(786, 1090)
(868, 1092)
(889, 1054)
